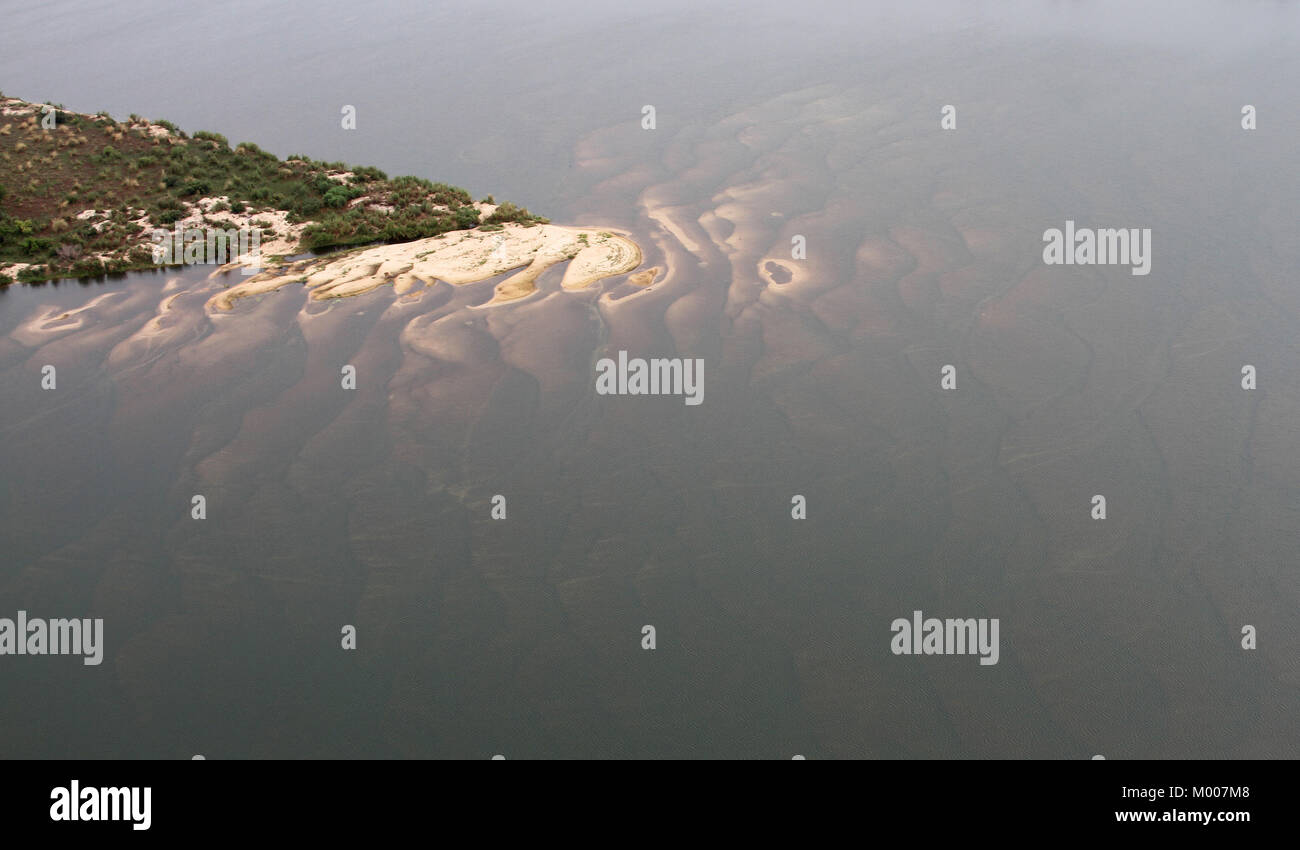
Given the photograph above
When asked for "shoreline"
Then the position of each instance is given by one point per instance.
(104, 196)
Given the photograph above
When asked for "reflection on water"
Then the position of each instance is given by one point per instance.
(372, 507)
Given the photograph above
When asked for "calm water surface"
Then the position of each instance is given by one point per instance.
(372, 507)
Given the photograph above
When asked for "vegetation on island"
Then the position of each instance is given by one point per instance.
(80, 194)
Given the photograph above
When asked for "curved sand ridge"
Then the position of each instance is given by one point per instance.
(457, 258)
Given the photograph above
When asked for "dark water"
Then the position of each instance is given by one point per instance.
(522, 636)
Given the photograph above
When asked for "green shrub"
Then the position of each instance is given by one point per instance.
(140, 254)
(88, 267)
(466, 218)
(14, 227)
(507, 211)
(250, 149)
(452, 192)
(212, 137)
(338, 196)
(34, 246)
(306, 208)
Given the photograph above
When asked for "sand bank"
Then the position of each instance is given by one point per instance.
(456, 258)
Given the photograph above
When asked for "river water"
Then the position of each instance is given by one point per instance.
(820, 125)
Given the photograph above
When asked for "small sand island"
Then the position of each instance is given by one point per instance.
(456, 258)
(86, 195)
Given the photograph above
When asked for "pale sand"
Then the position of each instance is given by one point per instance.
(51, 321)
(457, 258)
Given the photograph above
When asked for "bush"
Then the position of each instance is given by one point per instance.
(34, 246)
(15, 227)
(509, 212)
(250, 149)
(466, 218)
(338, 196)
(87, 267)
(212, 137)
(450, 196)
(307, 207)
